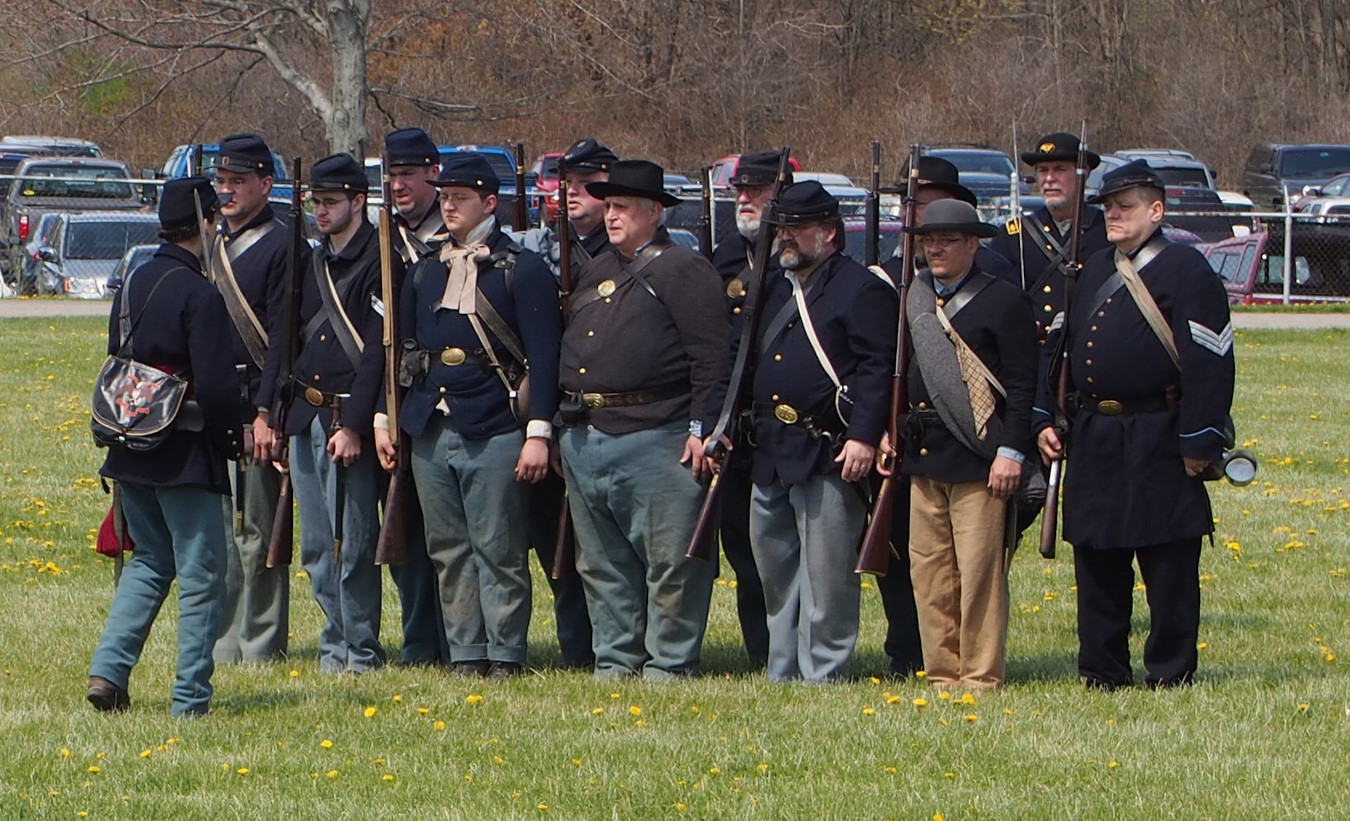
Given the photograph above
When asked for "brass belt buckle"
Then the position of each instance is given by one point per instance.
(594, 401)
(314, 396)
(786, 414)
(1110, 407)
(453, 356)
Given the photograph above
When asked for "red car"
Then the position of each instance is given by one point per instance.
(545, 171)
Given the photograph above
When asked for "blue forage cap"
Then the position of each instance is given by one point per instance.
(246, 152)
(178, 201)
(468, 169)
(410, 146)
(339, 172)
(1131, 175)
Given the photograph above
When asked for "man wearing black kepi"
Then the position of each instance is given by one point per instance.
(1038, 242)
(476, 315)
(734, 259)
(330, 425)
(938, 180)
(644, 348)
(170, 496)
(1150, 361)
(248, 265)
(585, 161)
(971, 382)
(826, 350)
(419, 231)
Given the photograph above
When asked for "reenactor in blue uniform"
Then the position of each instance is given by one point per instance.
(248, 266)
(826, 351)
(1150, 346)
(419, 232)
(171, 496)
(968, 435)
(330, 425)
(1038, 241)
(475, 315)
(644, 349)
(734, 259)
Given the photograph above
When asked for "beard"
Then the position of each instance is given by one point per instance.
(793, 258)
(747, 225)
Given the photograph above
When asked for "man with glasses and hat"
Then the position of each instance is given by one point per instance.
(329, 423)
(474, 315)
(645, 347)
(1150, 357)
(971, 382)
(419, 232)
(248, 265)
(1038, 242)
(826, 350)
(171, 496)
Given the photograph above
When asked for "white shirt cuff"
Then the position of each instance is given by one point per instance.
(381, 421)
(539, 429)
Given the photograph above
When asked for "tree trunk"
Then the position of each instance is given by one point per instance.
(347, 21)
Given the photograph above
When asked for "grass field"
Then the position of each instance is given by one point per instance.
(1264, 733)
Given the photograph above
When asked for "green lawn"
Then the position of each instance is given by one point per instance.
(1264, 733)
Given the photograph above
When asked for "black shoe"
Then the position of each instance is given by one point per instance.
(503, 670)
(578, 663)
(106, 696)
(1104, 686)
(479, 668)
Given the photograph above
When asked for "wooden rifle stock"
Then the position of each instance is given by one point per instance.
(564, 545)
(281, 544)
(703, 543)
(391, 545)
(874, 555)
(1050, 511)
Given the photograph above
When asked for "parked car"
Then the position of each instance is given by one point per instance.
(1252, 267)
(43, 184)
(1274, 174)
(855, 238)
(50, 146)
(724, 168)
(545, 171)
(85, 249)
(31, 261)
(1198, 210)
(9, 161)
(135, 257)
(985, 171)
(1174, 166)
(185, 160)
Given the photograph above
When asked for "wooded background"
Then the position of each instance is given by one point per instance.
(681, 81)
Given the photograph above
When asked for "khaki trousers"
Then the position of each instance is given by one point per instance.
(960, 580)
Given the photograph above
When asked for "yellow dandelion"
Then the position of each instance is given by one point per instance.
(641, 722)
(242, 770)
(496, 759)
(1113, 765)
(397, 699)
(145, 753)
(327, 743)
(388, 776)
(1303, 708)
(867, 711)
(1204, 645)
(65, 753)
(892, 699)
(332, 773)
(875, 681)
(380, 762)
(714, 770)
(693, 708)
(635, 710)
(598, 711)
(1007, 711)
(920, 702)
(576, 762)
(764, 768)
(614, 696)
(921, 674)
(474, 698)
(949, 774)
(890, 771)
(82, 814)
(438, 725)
(945, 696)
(94, 768)
(542, 806)
(937, 816)
(371, 711)
(295, 674)
(942, 721)
(972, 718)
(967, 698)
(680, 807)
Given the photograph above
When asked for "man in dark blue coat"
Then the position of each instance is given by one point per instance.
(734, 260)
(419, 232)
(1149, 410)
(329, 425)
(171, 496)
(476, 315)
(826, 349)
(248, 265)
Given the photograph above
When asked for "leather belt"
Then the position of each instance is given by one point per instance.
(1119, 407)
(318, 398)
(788, 415)
(596, 401)
(454, 357)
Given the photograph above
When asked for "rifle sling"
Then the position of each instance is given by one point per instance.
(630, 272)
(332, 313)
(1126, 270)
(245, 320)
(1056, 255)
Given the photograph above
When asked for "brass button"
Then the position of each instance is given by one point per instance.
(229, 431)
(736, 310)
(1088, 363)
(1089, 380)
(323, 337)
(941, 302)
(590, 333)
(316, 377)
(1048, 308)
(583, 370)
(923, 451)
(1093, 328)
(923, 405)
(1089, 343)
(442, 389)
(590, 427)
(774, 398)
(1108, 300)
(778, 357)
(608, 300)
(1047, 289)
(1101, 313)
